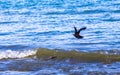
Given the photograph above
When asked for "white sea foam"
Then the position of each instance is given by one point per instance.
(14, 73)
(16, 54)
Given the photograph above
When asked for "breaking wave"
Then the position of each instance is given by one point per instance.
(16, 54)
(107, 56)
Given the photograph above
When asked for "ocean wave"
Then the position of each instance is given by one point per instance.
(8, 22)
(111, 20)
(43, 61)
(106, 56)
(74, 12)
(100, 56)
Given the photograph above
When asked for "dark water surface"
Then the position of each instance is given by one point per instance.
(26, 25)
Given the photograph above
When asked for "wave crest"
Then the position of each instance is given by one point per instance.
(16, 54)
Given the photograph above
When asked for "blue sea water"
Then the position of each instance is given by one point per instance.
(26, 25)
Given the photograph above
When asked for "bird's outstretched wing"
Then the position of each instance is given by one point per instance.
(75, 29)
(81, 29)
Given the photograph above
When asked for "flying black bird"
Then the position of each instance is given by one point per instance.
(77, 32)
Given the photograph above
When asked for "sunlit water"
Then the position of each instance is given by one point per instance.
(26, 25)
